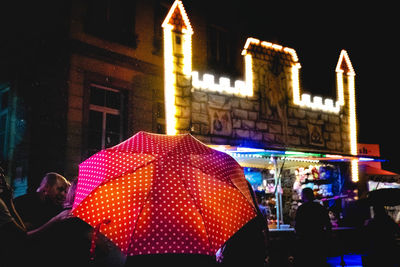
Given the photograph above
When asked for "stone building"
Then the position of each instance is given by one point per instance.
(266, 108)
(77, 77)
(265, 113)
(104, 70)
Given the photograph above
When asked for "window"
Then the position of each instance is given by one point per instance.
(160, 12)
(218, 48)
(105, 118)
(113, 20)
(160, 116)
(4, 117)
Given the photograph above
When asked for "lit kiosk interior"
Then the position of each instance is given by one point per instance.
(284, 139)
(278, 176)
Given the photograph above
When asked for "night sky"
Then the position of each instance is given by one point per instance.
(318, 32)
(369, 33)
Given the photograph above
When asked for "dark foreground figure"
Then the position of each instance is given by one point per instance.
(313, 228)
(176, 260)
(380, 235)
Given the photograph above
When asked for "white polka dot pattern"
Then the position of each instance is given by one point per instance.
(105, 165)
(164, 194)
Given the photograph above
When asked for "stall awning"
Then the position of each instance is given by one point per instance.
(380, 175)
(261, 158)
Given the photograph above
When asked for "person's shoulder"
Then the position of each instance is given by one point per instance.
(317, 204)
(301, 207)
(5, 215)
(4, 209)
(32, 196)
(311, 206)
(2, 204)
(22, 197)
(308, 205)
(27, 201)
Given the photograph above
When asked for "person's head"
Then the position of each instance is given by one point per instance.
(259, 197)
(307, 194)
(54, 187)
(379, 210)
(69, 199)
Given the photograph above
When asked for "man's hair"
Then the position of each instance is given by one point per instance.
(49, 180)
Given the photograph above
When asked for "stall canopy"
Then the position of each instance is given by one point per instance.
(301, 162)
(261, 158)
(380, 175)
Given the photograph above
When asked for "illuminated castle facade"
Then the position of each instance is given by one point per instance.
(98, 72)
(265, 109)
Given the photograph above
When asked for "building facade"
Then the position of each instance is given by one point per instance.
(264, 120)
(104, 70)
(266, 108)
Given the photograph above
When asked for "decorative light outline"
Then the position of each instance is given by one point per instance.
(187, 52)
(169, 85)
(224, 85)
(345, 56)
(169, 70)
(248, 152)
(248, 75)
(352, 106)
(241, 88)
(296, 84)
(304, 100)
(245, 88)
(166, 24)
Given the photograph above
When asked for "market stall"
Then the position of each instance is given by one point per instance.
(378, 179)
(278, 177)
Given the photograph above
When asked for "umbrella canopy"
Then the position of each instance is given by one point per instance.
(384, 196)
(156, 194)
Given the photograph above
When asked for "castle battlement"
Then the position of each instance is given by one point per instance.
(224, 85)
(266, 107)
(265, 51)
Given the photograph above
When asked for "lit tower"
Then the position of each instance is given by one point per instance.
(345, 76)
(177, 67)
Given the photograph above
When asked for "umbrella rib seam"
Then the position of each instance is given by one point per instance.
(198, 207)
(146, 199)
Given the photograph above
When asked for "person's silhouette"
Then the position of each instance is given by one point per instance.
(381, 232)
(312, 225)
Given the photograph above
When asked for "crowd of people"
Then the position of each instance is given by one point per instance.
(38, 229)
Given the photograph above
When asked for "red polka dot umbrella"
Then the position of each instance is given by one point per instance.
(156, 194)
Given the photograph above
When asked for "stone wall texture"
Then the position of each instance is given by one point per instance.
(268, 119)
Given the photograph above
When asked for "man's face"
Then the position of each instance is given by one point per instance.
(304, 197)
(57, 192)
